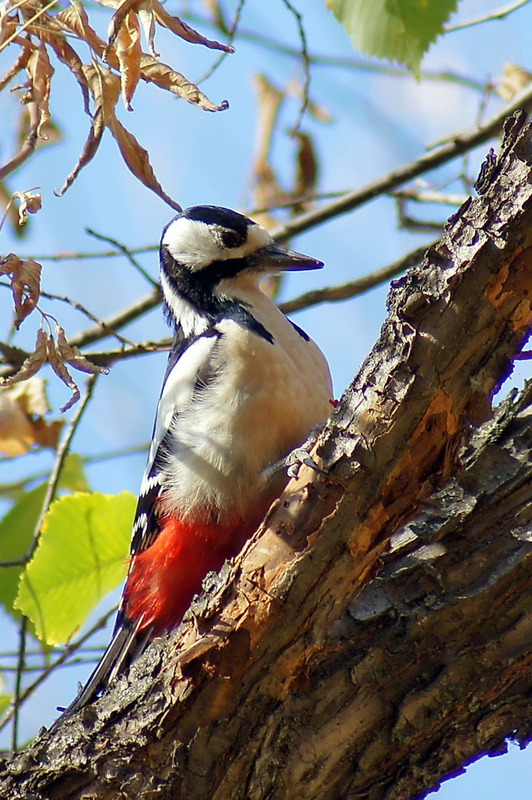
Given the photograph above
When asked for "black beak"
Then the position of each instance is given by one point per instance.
(275, 258)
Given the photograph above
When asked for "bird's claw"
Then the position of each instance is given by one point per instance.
(299, 457)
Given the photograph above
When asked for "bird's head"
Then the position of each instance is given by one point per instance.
(214, 243)
(210, 257)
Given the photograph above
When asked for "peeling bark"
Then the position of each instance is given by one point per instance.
(374, 636)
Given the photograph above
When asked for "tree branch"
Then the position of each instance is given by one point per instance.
(455, 146)
(270, 685)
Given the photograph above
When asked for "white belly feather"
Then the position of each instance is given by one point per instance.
(260, 401)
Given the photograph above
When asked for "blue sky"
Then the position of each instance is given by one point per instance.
(378, 122)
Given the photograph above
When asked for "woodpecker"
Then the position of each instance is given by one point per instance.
(243, 387)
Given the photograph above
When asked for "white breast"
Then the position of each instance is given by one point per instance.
(260, 401)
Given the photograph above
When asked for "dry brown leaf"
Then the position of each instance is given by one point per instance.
(40, 29)
(270, 99)
(165, 77)
(218, 14)
(31, 396)
(180, 28)
(138, 161)
(40, 71)
(51, 129)
(10, 211)
(30, 203)
(47, 433)
(55, 37)
(267, 189)
(147, 19)
(58, 353)
(123, 10)
(8, 22)
(73, 355)
(319, 112)
(75, 20)
(31, 364)
(128, 52)
(514, 79)
(105, 88)
(25, 284)
(21, 418)
(307, 166)
(59, 367)
(16, 430)
(151, 11)
(19, 64)
(87, 154)
(61, 351)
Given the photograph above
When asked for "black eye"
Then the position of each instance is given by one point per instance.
(231, 239)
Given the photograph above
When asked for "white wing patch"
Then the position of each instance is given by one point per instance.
(177, 391)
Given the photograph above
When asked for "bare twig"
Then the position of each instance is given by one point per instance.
(67, 652)
(119, 320)
(320, 60)
(489, 17)
(230, 33)
(83, 310)
(28, 145)
(456, 146)
(421, 195)
(128, 254)
(134, 251)
(329, 294)
(21, 661)
(305, 60)
(345, 291)
(106, 357)
(7, 489)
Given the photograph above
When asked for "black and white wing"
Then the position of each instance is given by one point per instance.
(188, 365)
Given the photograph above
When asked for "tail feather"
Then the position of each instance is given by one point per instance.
(161, 582)
(127, 644)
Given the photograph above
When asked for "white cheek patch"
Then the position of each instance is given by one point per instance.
(196, 245)
(191, 243)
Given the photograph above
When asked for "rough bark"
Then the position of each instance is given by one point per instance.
(343, 655)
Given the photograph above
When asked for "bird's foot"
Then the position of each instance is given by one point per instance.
(299, 457)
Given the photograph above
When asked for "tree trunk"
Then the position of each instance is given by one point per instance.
(342, 654)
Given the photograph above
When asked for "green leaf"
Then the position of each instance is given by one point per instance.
(5, 702)
(5, 699)
(17, 527)
(16, 535)
(397, 30)
(72, 478)
(81, 557)
(73, 475)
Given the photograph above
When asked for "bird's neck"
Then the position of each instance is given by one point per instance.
(192, 308)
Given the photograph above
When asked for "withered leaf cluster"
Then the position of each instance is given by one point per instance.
(268, 189)
(36, 28)
(58, 353)
(25, 277)
(22, 422)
